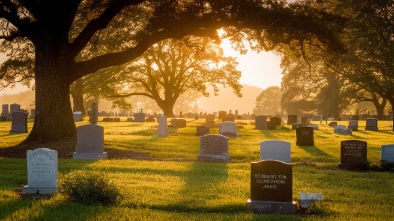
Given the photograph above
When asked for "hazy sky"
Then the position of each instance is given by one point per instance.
(258, 69)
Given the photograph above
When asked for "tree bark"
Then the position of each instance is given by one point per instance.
(54, 118)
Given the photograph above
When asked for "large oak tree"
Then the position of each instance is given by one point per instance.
(65, 37)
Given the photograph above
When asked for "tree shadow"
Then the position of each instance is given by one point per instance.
(318, 154)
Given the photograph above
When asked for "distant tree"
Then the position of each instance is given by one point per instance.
(268, 102)
(171, 67)
(58, 33)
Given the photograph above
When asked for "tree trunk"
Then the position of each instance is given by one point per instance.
(78, 104)
(167, 107)
(54, 119)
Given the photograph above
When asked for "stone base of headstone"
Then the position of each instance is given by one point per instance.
(371, 128)
(214, 157)
(271, 207)
(41, 190)
(90, 156)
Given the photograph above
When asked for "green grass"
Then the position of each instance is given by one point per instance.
(174, 189)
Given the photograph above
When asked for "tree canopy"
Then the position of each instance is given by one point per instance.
(70, 39)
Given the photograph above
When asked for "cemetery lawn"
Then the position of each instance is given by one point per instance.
(160, 178)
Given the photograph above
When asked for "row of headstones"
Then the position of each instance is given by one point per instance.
(7, 110)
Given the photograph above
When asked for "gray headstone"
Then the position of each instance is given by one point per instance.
(14, 108)
(90, 143)
(42, 171)
(261, 122)
(139, 117)
(387, 153)
(275, 150)
(19, 122)
(4, 112)
(371, 124)
(214, 147)
(228, 129)
(271, 187)
(162, 130)
(202, 130)
(77, 116)
(353, 124)
(291, 119)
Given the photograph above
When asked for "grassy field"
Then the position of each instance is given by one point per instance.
(166, 182)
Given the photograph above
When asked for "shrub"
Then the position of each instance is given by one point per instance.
(89, 188)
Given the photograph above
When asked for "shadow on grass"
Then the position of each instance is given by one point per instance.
(319, 154)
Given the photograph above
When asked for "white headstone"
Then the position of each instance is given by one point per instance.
(90, 143)
(77, 116)
(162, 130)
(275, 150)
(42, 171)
(228, 129)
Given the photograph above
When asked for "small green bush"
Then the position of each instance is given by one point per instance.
(89, 188)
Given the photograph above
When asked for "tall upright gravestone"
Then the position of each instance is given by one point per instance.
(304, 136)
(19, 122)
(162, 129)
(261, 122)
(90, 139)
(42, 171)
(271, 187)
(353, 154)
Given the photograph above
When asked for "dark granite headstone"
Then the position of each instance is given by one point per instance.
(277, 120)
(371, 124)
(222, 114)
(304, 121)
(271, 187)
(353, 153)
(19, 122)
(139, 117)
(305, 136)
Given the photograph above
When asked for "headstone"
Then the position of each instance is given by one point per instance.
(371, 124)
(228, 118)
(387, 153)
(210, 121)
(271, 188)
(353, 153)
(129, 119)
(90, 143)
(304, 121)
(291, 119)
(202, 130)
(304, 136)
(42, 171)
(214, 147)
(228, 129)
(180, 123)
(355, 117)
(77, 116)
(330, 119)
(222, 114)
(339, 127)
(162, 130)
(261, 122)
(19, 122)
(271, 125)
(116, 119)
(32, 113)
(295, 126)
(331, 124)
(343, 131)
(275, 150)
(5, 114)
(14, 108)
(276, 120)
(139, 117)
(150, 119)
(353, 124)
(93, 113)
(317, 118)
(108, 119)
